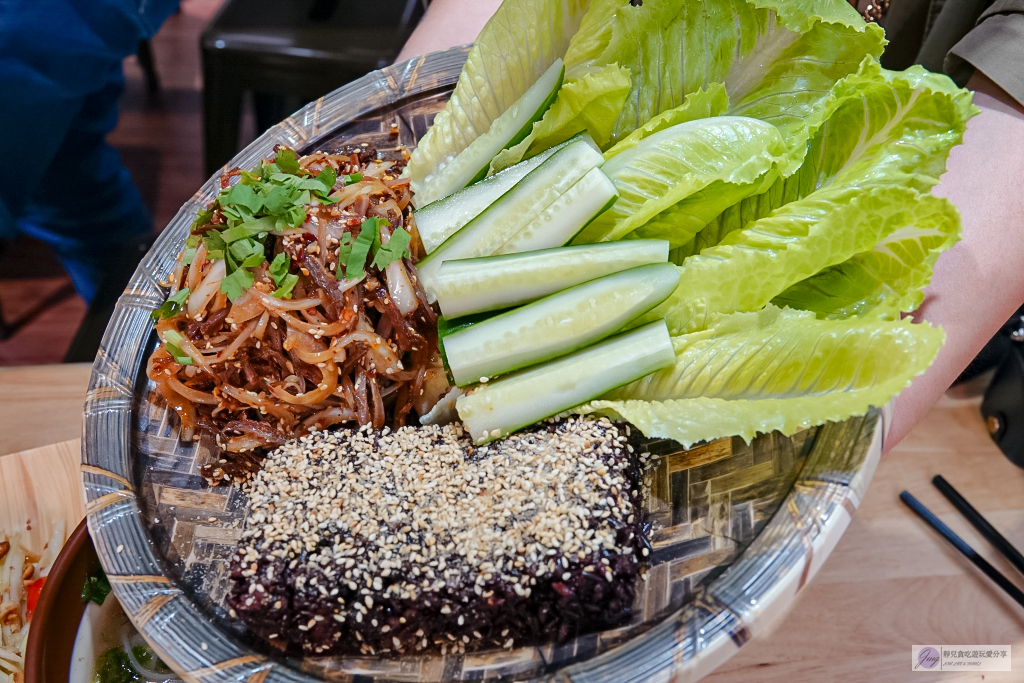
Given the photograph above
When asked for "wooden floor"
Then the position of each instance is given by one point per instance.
(160, 141)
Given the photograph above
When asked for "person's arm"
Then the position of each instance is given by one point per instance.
(979, 283)
(448, 23)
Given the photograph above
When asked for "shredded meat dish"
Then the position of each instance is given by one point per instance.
(319, 337)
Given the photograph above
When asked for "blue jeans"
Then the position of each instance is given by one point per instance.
(60, 80)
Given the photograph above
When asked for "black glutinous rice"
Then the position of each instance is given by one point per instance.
(413, 541)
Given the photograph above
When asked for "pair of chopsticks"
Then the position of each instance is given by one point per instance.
(983, 527)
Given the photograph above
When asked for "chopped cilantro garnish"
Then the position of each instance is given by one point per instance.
(172, 306)
(280, 198)
(96, 587)
(215, 244)
(245, 253)
(180, 356)
(284, 280)
(275, 197)
(234, 285)
(344, 250)
(268, 169)
(293, 181)
(285, 286)
(296, 215)
(287, 161)
(190, 250)
(327, 178)
(353, 253)
(369, 232)
(396, 248)
(240, 195)
(202, 218)
(279, 267)
(249, 178)
(255, 228)
(375, 247)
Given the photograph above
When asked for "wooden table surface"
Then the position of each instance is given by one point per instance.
(889, 584)
(41, 404)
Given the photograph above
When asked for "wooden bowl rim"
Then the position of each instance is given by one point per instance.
(58, 614)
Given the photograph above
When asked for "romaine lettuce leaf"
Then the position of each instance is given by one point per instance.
(787, 78)
(520, 41)
(881, 127)
(589, 102)
(773, 369)
(800, 16)
(691, 420)
(884, 282)
(682, 223)
(776, 59)
(711, 100)
(782, 353)
(752, 206)
(671, 164)
(798, 240)
(889, 126)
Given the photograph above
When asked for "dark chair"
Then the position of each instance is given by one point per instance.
(146, 61)
(289, 52)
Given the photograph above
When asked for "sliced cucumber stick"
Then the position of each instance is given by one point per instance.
(439, 220)
(510, 128)
(499, 408)
(556, 225)
(558, 324)
(494, 282)
(483, 235)
(446, 327)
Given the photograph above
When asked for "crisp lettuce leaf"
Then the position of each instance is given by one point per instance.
(881, 127)
(518, 44)
(776, 369)
(800, 16)
(682, 223)
(671, 164)
(754, 206)
(887, 280)
(777, 60)
(700, 104)
(889, 126)
(754, 64)
(754, 265)
(787, 78)
(782, 353)
(774, 59)
(854, 232)
(692, 420)
(589, 102)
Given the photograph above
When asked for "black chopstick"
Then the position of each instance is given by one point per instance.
(958, 543)
(979, 522)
